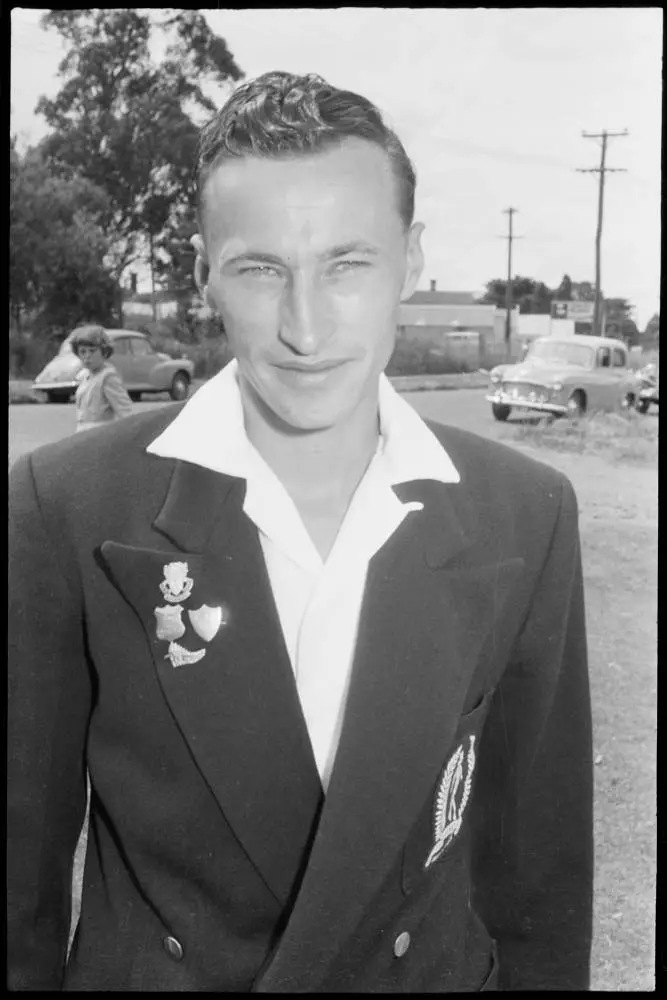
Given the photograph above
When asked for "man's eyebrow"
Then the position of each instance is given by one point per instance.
(355, 246)
(261, 258)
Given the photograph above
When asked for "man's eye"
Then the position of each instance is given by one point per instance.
(350, 265)
(259, 271)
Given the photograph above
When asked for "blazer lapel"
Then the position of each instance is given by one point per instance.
(237, 706)
(426, 613)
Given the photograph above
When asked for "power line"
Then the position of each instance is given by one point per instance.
(601, 170)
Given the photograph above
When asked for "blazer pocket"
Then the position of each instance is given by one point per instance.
(439, 833)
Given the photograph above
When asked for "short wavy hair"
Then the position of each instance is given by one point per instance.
(91, 335)
(281, 115)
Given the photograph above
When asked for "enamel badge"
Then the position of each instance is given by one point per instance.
(206, 621)
(169, 622)
(180, 657)
(177, 585)
(452, 798)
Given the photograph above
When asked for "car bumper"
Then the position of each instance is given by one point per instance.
(650, 395)
(55, 386)
(523, 403)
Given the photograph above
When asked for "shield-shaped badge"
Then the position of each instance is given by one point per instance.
(206, 621)
(169, 622)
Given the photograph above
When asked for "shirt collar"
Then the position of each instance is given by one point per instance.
(210, 431)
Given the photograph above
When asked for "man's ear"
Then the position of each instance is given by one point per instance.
(415, 260)
(201, 266)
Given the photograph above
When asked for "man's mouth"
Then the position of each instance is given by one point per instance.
(311, 367)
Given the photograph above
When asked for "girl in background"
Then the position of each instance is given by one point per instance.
(101, 396)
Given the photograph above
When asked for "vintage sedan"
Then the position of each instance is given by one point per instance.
(565, 376)
(142, 368)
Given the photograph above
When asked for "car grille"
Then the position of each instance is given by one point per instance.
(526, 390)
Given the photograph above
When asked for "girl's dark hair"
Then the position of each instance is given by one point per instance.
(91, 336)
(281, 114)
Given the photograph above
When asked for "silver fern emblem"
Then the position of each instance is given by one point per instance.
(180, 656)
(452, 798)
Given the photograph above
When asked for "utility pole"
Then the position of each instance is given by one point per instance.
(508, 290)
(152, 262)
(601, 170)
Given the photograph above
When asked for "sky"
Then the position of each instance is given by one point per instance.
(491, 105)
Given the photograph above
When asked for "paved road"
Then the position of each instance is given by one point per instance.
(30, 426)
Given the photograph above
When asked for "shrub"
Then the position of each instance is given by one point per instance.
(209, 358)
(202, 340)
(423, 356)
(28, 355)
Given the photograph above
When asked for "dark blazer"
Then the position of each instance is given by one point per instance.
(214, 861)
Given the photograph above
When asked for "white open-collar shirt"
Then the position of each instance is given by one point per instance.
(318, 601)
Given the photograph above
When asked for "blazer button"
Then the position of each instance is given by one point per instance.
(173, 948)
(401, 944)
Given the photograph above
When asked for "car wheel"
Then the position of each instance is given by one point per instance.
(180, 386)
(576, 404)
(500, 411)
(628, 401)
(134, 396)
(642, 405)
(58, 397)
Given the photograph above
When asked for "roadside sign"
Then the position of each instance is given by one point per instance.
(578, 311)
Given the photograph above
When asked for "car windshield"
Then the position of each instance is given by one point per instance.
(568, 354)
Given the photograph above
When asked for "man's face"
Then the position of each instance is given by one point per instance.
(307, 261)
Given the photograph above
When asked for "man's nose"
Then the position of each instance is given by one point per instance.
(303, 320)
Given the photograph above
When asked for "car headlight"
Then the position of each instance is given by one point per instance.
(557, 386)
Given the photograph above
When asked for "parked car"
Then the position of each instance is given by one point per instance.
(648, 388)
(565, 376)
(142, 368)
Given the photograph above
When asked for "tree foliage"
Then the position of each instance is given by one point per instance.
(651, 335)
(58, 245)
(127, 122)
(535, 297)
(619, 322)
(530, 295)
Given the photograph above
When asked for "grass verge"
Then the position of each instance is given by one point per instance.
(624, 436)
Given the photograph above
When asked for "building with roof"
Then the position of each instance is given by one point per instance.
(439, 313)
(457, 321)
(433, 297)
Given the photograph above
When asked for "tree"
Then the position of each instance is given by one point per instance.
(619, 322)
(57, 246)
(583, 291)
(564, 291)
(650, 338)
(530, 295)
(127, 122)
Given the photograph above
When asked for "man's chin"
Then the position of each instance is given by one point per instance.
(299, 413)
(307, 419)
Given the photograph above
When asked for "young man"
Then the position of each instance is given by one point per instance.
(325, 665)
